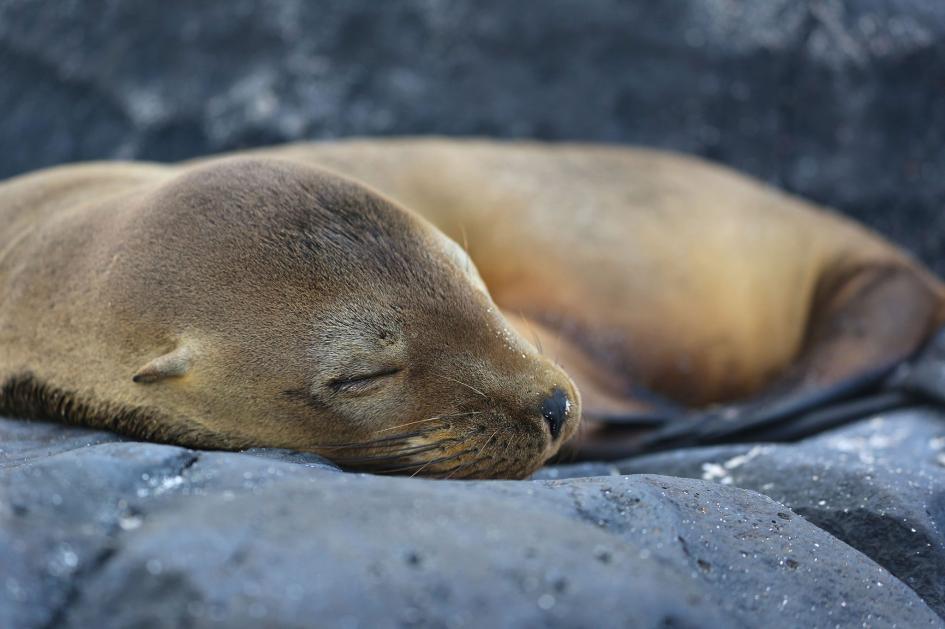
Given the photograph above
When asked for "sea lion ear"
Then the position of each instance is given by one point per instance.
(171, 365)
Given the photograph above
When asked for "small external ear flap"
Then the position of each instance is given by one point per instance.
(171, 365)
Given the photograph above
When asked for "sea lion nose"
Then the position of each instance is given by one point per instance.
(555, 409)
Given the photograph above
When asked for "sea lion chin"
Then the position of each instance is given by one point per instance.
(258, 302)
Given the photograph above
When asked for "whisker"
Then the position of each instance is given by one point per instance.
(421, 469)
(557, 345)
(462, 466)
(419, 421)
(393, 456)
(463, 476)
(430, 419)
(468, 386)
(495, 472)
(376, 442)
(396, 460)
(424, 465)
(478, 458)
(463, 414)
(535, 337)
(479, 454)
(508, 446)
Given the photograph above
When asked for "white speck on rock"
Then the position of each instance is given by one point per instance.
(129, 522)
(546, 601)
(70, 559)
(168, 484)
(721, 472)
(713, 471)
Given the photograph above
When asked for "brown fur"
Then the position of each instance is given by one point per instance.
(647, 268)
(226, 305)
(240, 292)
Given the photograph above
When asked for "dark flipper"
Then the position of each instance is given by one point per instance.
(789, 419)
(924, 377)
(633, 420)
(919, 381)
(752, 421)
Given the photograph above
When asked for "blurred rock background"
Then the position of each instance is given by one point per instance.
(840, 101)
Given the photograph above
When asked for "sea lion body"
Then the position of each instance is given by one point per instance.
(645, 268)
(196, 304)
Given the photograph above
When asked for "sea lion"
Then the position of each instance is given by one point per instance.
(261, 302)
(655, 280)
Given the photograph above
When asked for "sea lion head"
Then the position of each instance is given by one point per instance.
(271, 304)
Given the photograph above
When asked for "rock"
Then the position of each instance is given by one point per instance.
(576, 470)
(878, 485)
(22, 441)
(838, 100)
(117, 534)
(58, 515)
(292, 456)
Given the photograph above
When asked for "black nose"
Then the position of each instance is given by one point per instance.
(554, 409)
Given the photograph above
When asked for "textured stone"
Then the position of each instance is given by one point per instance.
(117, 534)
(878, 485)
(839, 100)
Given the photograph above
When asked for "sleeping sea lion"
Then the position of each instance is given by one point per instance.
(267, 299)
(259, 302)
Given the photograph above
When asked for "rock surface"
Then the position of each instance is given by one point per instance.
(878, 485)
(839, 100)
(96, 531)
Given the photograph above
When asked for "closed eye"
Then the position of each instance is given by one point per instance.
(362, 382)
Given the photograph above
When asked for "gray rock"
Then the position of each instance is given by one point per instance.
(878, 485)
(117, 534)
(576, 470)
(292, 456)
(22, 440)
(839, 100)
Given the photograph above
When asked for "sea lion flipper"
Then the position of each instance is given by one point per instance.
(719, 427)
(867, 327)
(871, 320)
(873, 316)
(174, 364)
(922, 376)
